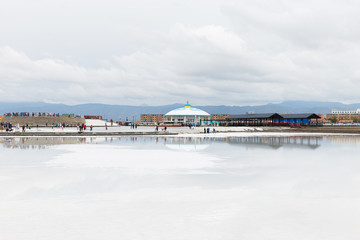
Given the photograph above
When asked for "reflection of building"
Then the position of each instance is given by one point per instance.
(277, 142)
(187, 115)
(183, 143)
(273, 142)
(350, 139)
(39, 142)
(45, 142)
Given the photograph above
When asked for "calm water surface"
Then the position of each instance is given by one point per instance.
(180, 188)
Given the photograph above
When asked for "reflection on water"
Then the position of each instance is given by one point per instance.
(38, 143)
(349, 139)
(277, 142)
(46, 142)
(184, 143)
(244, 187)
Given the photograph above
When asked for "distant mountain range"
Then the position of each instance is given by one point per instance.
(124, 112)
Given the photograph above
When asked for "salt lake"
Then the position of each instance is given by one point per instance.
(216, 186)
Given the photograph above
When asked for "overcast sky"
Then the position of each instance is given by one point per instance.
(242, 52)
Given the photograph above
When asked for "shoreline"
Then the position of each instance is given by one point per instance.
(83, 134)
(303, 130)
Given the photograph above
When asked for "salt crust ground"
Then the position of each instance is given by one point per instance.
(182, 131)
(259, 134)
(99, 126)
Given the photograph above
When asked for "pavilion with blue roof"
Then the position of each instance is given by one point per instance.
(187, 115)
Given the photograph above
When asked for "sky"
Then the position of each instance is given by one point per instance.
(157, 52)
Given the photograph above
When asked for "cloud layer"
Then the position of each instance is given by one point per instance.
(237, 53)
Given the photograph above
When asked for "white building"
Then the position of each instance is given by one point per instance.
(187, 115)
(345, 111)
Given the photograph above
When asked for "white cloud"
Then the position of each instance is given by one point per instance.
(245, 52)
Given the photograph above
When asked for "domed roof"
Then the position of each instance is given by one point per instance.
(187, 110)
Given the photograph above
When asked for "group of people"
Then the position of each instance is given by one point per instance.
(33, 114)
(7, 126)
(157, 128)
(62, 125)
(207, 130)
(82, 127)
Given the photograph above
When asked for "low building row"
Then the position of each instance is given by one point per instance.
(343, 116)
(190, 116)
(273, 119)
(155, 119)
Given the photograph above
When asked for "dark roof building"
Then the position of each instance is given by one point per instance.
(254, 116)
(271, 119)
(300, 116)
